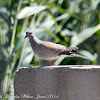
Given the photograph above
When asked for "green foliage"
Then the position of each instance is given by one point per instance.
(68, 22)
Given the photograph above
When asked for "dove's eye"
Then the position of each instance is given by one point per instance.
(30, 33)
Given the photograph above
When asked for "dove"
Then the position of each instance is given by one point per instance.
(50, 51)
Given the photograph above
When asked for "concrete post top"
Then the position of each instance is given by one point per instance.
(66, 67)
(64, 82)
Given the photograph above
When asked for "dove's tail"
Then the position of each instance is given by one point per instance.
(77, 55)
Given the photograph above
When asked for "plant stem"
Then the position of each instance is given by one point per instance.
(14, 29)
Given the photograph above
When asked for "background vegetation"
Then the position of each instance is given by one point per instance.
(68, 22)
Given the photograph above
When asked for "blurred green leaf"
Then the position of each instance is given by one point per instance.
(51, 34)
(5, 14)
(20, 41)
(85, 34)
(58, 28)
(28, 56)
(28, 11)
(63, 10)
(52, 5)
(67, 32)
(58, 61)
(89, 55)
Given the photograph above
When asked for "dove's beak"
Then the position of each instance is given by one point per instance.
(25, 37)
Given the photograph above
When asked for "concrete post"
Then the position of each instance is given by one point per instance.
(68, 82)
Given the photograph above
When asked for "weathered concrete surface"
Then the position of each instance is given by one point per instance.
(72, 82)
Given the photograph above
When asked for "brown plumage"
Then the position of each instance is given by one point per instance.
(50, 51)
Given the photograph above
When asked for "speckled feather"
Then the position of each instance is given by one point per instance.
(50, 51)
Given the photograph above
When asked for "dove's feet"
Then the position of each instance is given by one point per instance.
(50, 63)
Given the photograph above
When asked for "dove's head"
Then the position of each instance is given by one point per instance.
(28, 34)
